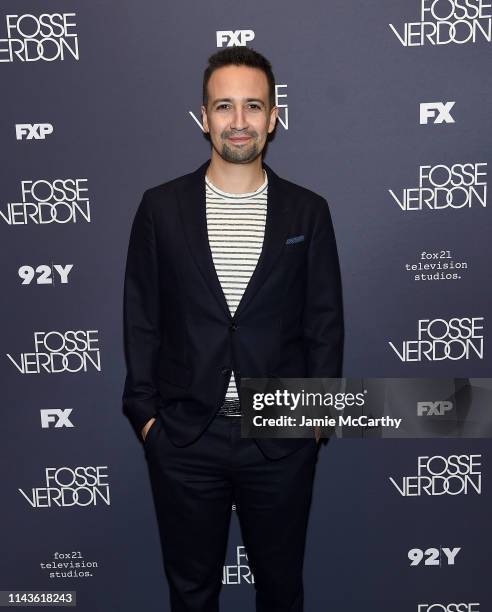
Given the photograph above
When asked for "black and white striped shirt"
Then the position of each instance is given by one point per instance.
(236, 228)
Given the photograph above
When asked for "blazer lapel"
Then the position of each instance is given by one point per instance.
(276, 229)
(192, 204)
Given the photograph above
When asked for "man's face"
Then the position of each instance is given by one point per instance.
(237, 117)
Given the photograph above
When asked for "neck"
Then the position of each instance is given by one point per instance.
(235, 178)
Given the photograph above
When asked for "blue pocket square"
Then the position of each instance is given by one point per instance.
(295, 239)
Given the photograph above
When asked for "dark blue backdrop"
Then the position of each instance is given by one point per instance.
(111, 99)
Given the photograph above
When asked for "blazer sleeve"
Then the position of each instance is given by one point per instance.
(141, 320)
(323, 321)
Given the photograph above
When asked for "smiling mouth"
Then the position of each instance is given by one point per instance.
(239, 138)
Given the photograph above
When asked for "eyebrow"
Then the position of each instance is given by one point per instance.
(245, 99)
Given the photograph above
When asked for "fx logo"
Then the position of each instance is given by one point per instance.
(57, 416)
(30, 131)
(434, 408)
(438, 110)
(236, 38)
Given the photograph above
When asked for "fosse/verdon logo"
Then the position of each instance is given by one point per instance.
(234, 38)
(447, 21)
(283, 109)
(49, 201)
(436, 112)
(55, 417)
(56, 352)
(33, 131)
(46, 37)
(449, 607)
(438, 475)
(458, 186)
(240, 572)
(438, 339)
(66, 486)
(45, 274)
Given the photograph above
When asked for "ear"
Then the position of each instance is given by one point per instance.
(204, 119)
(273, 119)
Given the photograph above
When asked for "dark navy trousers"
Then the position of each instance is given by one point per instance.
(193, 490)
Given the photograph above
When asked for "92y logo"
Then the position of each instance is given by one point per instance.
(45, 274)
(433, 556)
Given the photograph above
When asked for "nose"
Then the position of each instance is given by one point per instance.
(238, 119)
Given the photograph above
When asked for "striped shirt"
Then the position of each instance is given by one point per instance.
(236, 228)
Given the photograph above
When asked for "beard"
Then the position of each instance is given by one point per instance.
(240, 155)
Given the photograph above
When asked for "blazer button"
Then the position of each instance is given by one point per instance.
(225, 371)
(233, 327)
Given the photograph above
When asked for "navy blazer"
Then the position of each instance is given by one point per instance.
(181, 341)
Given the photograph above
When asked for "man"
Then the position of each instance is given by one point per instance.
(231, 272)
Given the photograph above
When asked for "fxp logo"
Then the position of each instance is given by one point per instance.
(234, 38)
(434, 408)
(33, 131)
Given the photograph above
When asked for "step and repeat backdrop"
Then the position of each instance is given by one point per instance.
(384, 110)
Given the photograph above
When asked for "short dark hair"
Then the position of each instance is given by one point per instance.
(239, 56)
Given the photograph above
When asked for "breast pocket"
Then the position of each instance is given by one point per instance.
(293, 255)
(298, 239)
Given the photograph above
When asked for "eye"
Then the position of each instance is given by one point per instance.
(255, 106)
(220, 106)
